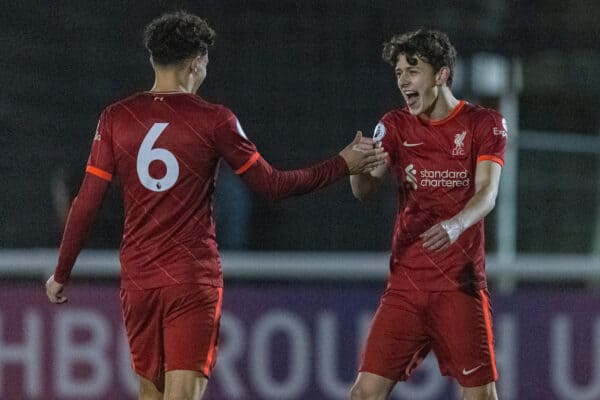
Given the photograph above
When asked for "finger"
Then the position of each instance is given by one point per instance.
(434, 245)
(362, 147)
(358, 137)
(435, 242)
(372, 156)
(444, 247)
(369, 151)
(374, 164)
(62, 299)
(430, 232)
(434, 237)
(369, 167)
(52, 298)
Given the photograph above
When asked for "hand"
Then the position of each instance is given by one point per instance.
(54, 291)
(440, 236)
(362, 156)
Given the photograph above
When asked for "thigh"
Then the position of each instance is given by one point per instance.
(143, 325)
(463, 340)
(397, 342)
(191, 327)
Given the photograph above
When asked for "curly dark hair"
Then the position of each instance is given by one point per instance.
(172, 38)
(433, 47)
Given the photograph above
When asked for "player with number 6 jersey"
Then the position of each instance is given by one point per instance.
(163, 147)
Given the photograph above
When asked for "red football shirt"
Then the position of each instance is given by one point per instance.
(434, 163)
(163, 149)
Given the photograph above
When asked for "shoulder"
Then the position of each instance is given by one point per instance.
(396, 120)
(398, 115)
(219, 112)
(479, 114)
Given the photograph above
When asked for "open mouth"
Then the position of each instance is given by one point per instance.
(411, 98)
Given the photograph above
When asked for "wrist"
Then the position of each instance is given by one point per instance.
(454, 227)
(342, 164)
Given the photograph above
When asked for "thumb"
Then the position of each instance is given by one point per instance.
(358, 137)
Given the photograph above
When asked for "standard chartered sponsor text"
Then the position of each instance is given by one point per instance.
(444, 179)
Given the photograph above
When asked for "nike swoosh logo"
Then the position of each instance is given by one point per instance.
(406, 144)
(470, 371)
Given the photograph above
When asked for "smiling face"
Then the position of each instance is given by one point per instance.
(419, 84)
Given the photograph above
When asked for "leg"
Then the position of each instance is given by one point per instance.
(191, 330)
(141, 314)
(184, 385)
(485, 392)
(395, 347)
(463, 342)
(371, 387)
(148, 391)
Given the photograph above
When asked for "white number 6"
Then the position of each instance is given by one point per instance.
(147, 154)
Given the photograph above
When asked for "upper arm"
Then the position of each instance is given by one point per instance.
(101, 161)
(232, 144)
(487, 177)
(490, 137)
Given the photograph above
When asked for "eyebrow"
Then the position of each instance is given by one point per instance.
(407, 68)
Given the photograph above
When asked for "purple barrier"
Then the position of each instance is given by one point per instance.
(280, 341)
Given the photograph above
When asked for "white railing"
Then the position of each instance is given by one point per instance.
(342, 266)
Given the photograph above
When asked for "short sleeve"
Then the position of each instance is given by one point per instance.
(384, 133)
(490, 137)
(101, 162)
(233, 145)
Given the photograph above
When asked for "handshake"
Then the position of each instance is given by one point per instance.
(363, 155)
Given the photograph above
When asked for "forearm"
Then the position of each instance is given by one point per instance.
(477, 208)
(275, 185)
(81, 216)
(364, 186)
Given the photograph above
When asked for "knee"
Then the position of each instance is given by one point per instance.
(487, 392)
(362, 392)
(357, 392)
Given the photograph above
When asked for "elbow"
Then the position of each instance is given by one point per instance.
(361, 196)
(491, 205)
(364, 195)
(491, 202)
(361, 190)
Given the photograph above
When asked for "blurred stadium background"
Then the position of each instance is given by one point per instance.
(303, 276)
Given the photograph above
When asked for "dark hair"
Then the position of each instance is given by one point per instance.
(172, 38)
(433, 47)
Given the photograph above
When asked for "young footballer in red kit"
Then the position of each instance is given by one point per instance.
(163, 147)
(446, 156)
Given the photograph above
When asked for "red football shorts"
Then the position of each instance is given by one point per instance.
(456, 325)
(172, 328)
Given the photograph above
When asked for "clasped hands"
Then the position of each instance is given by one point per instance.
(363, 155)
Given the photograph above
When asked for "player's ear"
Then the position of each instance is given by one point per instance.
(441, 77)
(194, 64)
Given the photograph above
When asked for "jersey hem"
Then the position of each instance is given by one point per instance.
(126, 285)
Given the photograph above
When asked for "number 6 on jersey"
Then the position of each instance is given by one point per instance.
(147, 154)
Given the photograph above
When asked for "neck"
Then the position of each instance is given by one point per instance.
(172, 80)
(442, 106)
